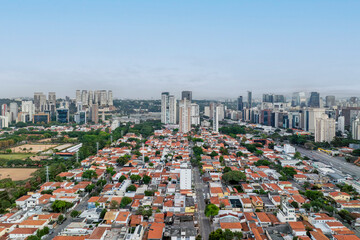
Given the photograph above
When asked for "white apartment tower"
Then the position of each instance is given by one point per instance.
(185, 179)
(185, 116)
(324, 129)
(355, 129)
(341, 124)
(168, 108)
(195, 114)
(110, 98)
(29, 108)
(215, 118)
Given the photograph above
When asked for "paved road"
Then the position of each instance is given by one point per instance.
(204, 222)
(80, 207)
(335, 162)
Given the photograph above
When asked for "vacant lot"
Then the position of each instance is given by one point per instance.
(16, 174)
(15, 156)
(32, 148)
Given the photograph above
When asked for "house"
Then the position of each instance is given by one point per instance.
(297, 228)
(340, 196)
(22, 233)
(257, 202)
(123, 217)
(29, 223)
(232, 226)
(156, 231)
(98, 234)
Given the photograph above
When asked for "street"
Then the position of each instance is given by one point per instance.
(204, 222)
(80, 207)
(336, 163)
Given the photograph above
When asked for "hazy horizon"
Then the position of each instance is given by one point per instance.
(139, 49)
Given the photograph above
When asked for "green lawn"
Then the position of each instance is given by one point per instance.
(13, 156)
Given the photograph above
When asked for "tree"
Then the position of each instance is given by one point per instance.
(102, 214)
(307, 206)
(356, 152)
(135, 178)
(213, 154)
(131, 188)
(60, 206)
(74, 214)
(89, 174)
(89, 187)
(114, 204)
(33, 237)
(122, 178)
(294, 204)
(239, 154)
(297, 155)
(146, 179)
(60, 219)
(123, 160)
(125, 201)
(211, 210)
(146, 158)
(234, 177)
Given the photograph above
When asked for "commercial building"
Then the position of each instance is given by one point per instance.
(41, 118)
(314, 101)
(95, 113)
(29, 108)
(298, 99)
(249, 100)
(13, 112)
(62, 115)
(4, 109)
(341, 124)
(187, 95)
(330, 101)
(40, 102)
(240, 103)
(195, 114)
(311, 115)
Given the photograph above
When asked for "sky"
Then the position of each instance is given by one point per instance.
(217, 49)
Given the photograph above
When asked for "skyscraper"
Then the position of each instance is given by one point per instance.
(215, 118)
(13, 111)
(184, 116)
(4, 109)
(249, 100)
(168, 108)
(62, 115)
(78, 96)
(330, 101)
(298, 99)
(355, 129)
(110, 98)
(85, 98)
(195, 114)
(40, 102)
(95, 113)
(52, 102)
(28, 107)
(314, 100)
(187, 95)
(91, 98)
(240, 104)
(324, 129)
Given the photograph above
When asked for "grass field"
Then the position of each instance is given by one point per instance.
(16, 174)
(15, 156)
(32, 148)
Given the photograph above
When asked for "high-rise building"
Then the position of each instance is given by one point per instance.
(28, 107)
(341, 124)
(41, 118)
(314, 101)
(353, 100)
(85, 98)
(324, 129)
(62, 115)
(355, 129)
(80, 117)
(4, 109)
(103, 98)
(330, 101)
(4, 122)
(52, 102)
(168, 108)
(195, 114)
(249, 99)
(298, 99)
(13, 111)
(311, 115)
(40, 102)
(78, 96)
(110, 98)
(240, 104)
(185, 179)
(185, 116)
(215, 118)
(95, 113)
(187, 95)
(91, 98)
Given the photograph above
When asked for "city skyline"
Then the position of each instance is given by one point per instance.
(213, 49)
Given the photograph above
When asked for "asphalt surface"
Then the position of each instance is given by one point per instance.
(204, 222)
(337, 163)
(80, 207)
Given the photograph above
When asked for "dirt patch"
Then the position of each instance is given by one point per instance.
(16, 174)
(32, 148)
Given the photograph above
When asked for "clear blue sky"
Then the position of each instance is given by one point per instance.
(214, 48)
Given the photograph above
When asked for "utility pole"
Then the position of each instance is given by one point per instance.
(77, 156)
(97, 147)
(111, 139)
